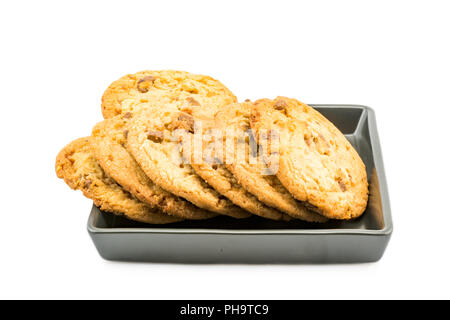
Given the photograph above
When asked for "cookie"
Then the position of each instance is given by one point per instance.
(77, 166)
(151, 142)
(249, 174)
(108, 145)
(317, 164)
(132, 92)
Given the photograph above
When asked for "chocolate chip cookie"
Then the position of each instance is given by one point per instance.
(251, 171)
(317, 164)
(79, 169)
(202, 94)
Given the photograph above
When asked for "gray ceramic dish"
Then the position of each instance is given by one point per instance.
(257, 240)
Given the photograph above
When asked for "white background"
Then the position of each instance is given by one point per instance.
(56, 60)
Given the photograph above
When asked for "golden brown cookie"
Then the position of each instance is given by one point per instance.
(201, 95)
(317, 164)
(108, 144)
(151, 142)
(250, 171)
(77, 166)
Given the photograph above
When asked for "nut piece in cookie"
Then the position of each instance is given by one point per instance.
(155, 136)
(145, 83)
(184, 121)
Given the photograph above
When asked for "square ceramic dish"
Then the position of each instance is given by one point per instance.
(257, 240)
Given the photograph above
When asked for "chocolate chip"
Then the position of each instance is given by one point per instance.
(192, 101)
(87, 183)
(311, 207)
(184, 121)
(280, 105)
(128, 115)
(342, 185)
(308, 139)
(155, 136)
(144, 84)
(254, 117)
(125, 133)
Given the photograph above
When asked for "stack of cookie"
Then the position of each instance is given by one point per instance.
(156, 158)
